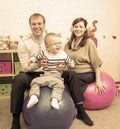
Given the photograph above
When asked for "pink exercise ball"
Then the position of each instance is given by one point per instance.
(93, 100)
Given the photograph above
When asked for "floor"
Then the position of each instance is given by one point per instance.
(108, 118)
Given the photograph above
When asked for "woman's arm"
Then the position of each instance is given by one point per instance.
(99, 85)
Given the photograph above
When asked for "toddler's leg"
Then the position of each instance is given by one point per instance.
(33, 100)
(55, 103)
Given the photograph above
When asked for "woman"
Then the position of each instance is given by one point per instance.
(83, 51)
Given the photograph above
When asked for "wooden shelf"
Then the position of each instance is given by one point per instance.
(7, 75)
(9, 51)
(12, 56)
(8, 70)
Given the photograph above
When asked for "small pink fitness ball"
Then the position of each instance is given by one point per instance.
(93, 100)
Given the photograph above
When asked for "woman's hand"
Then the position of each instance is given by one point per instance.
(100, 87)
(61, 66)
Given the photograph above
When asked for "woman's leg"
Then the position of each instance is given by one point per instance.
(83, 79)
(77, 85)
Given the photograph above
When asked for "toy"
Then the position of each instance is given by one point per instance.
(92, 31)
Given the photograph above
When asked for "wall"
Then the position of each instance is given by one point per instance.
(59, 16)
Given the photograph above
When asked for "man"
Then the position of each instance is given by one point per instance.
(28, 47)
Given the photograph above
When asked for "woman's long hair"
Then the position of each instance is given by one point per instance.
(85, 36)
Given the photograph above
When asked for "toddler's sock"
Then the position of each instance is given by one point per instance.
(33, 100)
(54, 103)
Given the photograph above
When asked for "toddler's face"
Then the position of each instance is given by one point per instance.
(55, 45)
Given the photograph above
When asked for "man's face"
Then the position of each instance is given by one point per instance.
(37, 26)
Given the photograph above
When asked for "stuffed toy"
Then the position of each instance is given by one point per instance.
(92, 31)
(4, 43)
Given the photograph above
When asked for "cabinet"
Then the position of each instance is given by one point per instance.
(9, 67)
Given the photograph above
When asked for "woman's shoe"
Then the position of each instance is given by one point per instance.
(85, 118)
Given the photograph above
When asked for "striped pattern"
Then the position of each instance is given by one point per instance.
(53, 63)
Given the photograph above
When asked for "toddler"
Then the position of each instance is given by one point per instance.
(52, 74)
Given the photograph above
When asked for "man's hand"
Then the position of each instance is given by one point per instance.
(43, 62)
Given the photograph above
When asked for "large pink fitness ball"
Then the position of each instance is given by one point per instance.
(93, 100)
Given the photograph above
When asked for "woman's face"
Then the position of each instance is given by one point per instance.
(79, 29)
